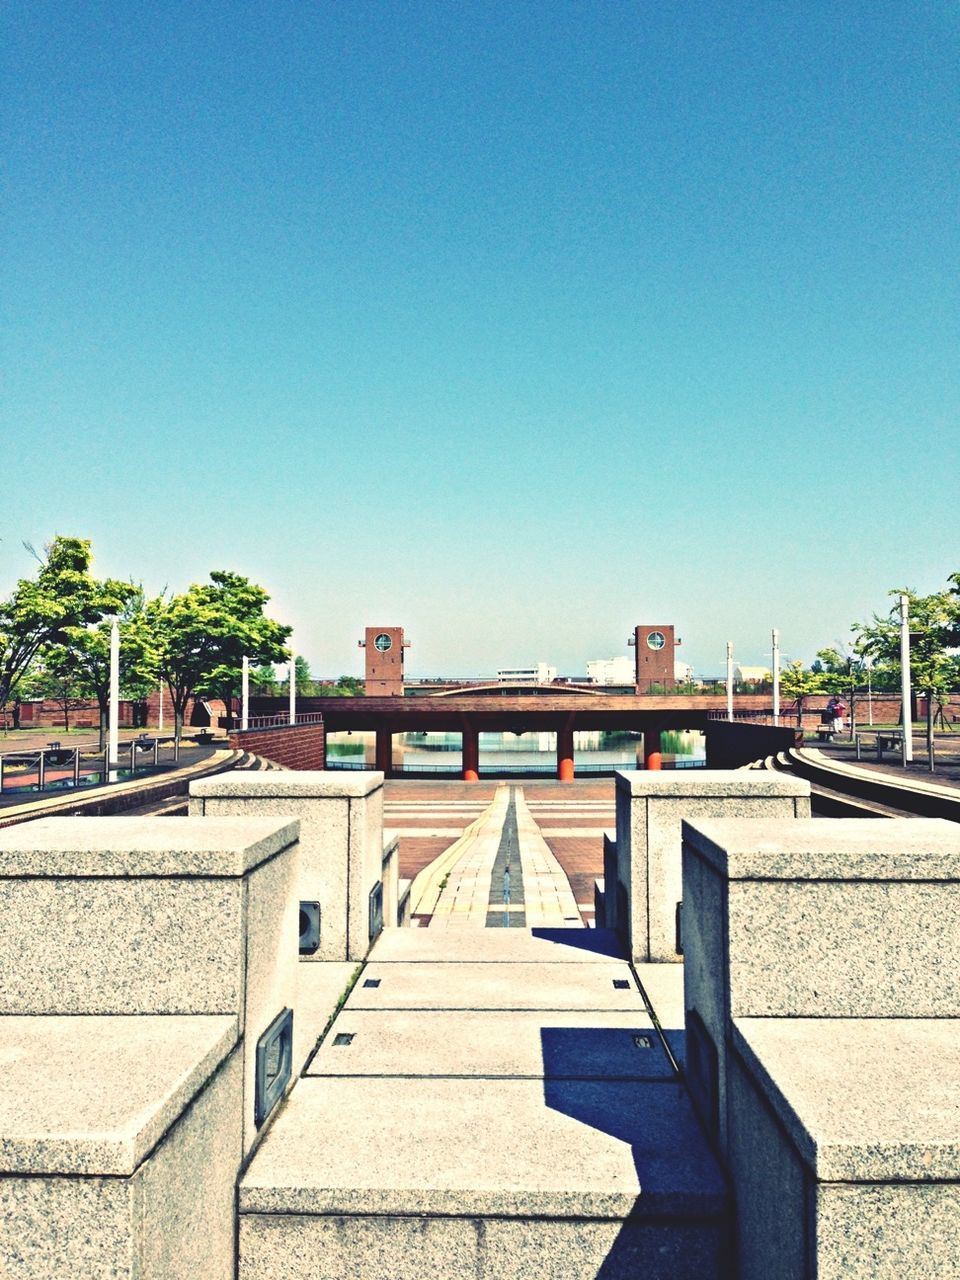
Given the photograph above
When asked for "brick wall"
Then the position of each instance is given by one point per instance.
(297, 746)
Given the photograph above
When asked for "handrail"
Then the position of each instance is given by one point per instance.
(279, 721)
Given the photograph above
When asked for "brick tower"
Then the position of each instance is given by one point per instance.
(383, 675)
(654, 656)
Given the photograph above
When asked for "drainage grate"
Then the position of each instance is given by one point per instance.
(371, 982)
(621, 984)
(343, 1037)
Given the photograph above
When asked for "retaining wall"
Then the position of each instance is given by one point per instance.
(295, 746)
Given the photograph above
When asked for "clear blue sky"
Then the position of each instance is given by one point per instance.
(515, 324)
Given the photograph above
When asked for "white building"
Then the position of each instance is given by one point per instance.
(612, 671)
(540, 674)
(683, 672)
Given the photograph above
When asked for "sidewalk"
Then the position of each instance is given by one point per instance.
(489, 1103)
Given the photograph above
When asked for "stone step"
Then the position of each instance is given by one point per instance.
(509, 1178)
(495, 1107)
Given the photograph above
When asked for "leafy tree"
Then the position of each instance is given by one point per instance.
(263, 681)
(799, 683)
(89, 650)
(202, 636)
(53, 677)
(934, 621)
(351, 687)
(40, 610)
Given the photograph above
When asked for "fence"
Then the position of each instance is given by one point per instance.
(56, 768)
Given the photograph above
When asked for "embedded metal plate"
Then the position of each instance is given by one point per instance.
(274, 1062)
(309, 927)
(376, 910)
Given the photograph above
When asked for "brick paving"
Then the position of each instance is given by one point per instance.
(571, 816)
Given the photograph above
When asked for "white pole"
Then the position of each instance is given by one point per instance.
(160, 713)
(905, 678)
(776, 676)
(293, 688)
(113, 742)
(245, 692)
(868, 663)
(729, 680)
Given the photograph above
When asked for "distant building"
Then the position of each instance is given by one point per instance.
(610, 671)
(383, 675)
(654, 647)
(683, 672)
(540, 674)
(751, 675)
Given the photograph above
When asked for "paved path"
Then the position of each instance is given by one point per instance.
(499, 873)
(490, 1103)
(559, 837)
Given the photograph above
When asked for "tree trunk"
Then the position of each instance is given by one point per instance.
(930, 759)
(103, 728)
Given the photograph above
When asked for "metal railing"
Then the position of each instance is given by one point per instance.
(281, 720)
(56, 768)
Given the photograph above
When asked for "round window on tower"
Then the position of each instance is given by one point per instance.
(655, 640)
(383, 642)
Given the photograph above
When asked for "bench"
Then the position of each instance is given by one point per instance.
(824, 732)
(886, 740)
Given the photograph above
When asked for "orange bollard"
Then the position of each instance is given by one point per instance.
(565, 771)
(654, 760)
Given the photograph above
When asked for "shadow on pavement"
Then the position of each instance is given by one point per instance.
(601, 942)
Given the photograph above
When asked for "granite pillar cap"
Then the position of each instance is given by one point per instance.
(863, 1099)
(288, 784)
(95, 1094)
(212, 847)
(709, 782)
(827, 848)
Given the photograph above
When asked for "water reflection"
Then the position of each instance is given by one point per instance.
(595, 751)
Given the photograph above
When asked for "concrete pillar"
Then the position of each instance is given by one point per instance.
(651, 747)
(384, 759)
(565, 763)
(471, 752)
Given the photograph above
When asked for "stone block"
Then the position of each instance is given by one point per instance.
(611, 872)
(341, 840)
(390, 879)
(844, 1147)
(537, 1148)
(494, 1044)
(319, 988)
(650, 809)
(426, 985)
(537, 945)
(834, 918)
(285, 1247)
(151, 915)
(120, 1140)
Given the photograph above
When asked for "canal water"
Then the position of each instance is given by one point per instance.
(515, 754)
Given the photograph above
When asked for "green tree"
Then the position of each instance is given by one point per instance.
(797, 682)
(53, 677)
(263, 681)
(933, 621)
(89, 650)
(351, 687)
(41, 610)
(203, 634)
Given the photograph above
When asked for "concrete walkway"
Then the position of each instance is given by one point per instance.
(490, 1103)
(504, 874)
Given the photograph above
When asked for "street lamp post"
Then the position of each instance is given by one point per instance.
(776, 676)
(729, 680)
(905, 679)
